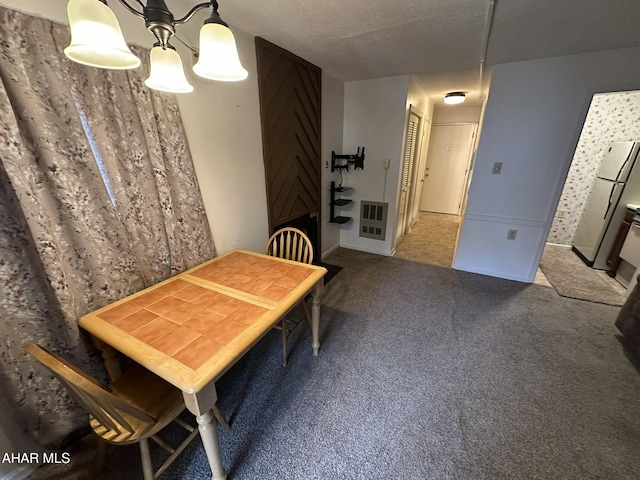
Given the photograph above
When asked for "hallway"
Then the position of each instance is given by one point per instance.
(432, 240)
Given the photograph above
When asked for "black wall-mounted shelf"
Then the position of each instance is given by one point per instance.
(338, 202)
(342, 162)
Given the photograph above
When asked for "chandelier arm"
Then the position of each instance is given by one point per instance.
(195, 51)
(131, 9)
(192, 12)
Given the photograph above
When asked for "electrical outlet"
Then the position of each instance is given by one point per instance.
(511, 234)
(386, 162)
(497, 168)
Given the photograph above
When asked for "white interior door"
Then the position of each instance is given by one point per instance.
(448, 163)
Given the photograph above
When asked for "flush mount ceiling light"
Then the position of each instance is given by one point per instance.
(454, 98)
(97, 41)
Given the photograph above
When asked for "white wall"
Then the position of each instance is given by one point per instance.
(374, 117)
(532, 122)
(332, 140)
(419, 100)
(456, 114)
(222, 122)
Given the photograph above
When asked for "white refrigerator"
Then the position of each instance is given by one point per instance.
(614, 186)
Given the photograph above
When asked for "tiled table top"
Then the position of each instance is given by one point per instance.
(192, 327)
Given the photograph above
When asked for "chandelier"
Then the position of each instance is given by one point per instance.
(97, 41)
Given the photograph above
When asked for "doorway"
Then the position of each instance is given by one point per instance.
(441, 188)
(432, 240)
(610, 119)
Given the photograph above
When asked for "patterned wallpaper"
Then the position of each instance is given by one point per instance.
(612, 117)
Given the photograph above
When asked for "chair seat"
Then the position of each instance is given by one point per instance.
(148, 393)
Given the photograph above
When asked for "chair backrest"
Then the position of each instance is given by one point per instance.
(98, 400)
(292, 244)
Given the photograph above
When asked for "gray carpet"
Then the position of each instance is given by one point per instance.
(573, 279)
(429, 373)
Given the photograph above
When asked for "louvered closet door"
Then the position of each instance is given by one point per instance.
(290, 90)
(407, 174)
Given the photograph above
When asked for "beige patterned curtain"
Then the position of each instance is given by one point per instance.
(155, 191)
(98, 199)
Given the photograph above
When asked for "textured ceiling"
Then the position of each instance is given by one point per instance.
(439, 41)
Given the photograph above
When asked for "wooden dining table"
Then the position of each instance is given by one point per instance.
(191, 328)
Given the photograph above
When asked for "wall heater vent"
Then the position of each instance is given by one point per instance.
(373, 219)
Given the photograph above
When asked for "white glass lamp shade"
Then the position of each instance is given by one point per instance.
(167, 74)
(96, 38)
(218, 58)
(454, 98)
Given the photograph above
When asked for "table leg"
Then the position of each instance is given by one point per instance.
(201, 404)
(315, 316)
(109, 357)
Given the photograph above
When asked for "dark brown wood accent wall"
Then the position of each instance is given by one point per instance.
(290, 107)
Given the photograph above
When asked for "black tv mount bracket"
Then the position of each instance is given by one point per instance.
(357, 160)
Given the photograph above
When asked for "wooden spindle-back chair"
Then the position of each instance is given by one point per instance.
(291, 244)
(132, 409)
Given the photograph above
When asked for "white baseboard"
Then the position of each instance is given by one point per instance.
(385, 253)
(561, 245)
(490, 273)
(331, 250)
